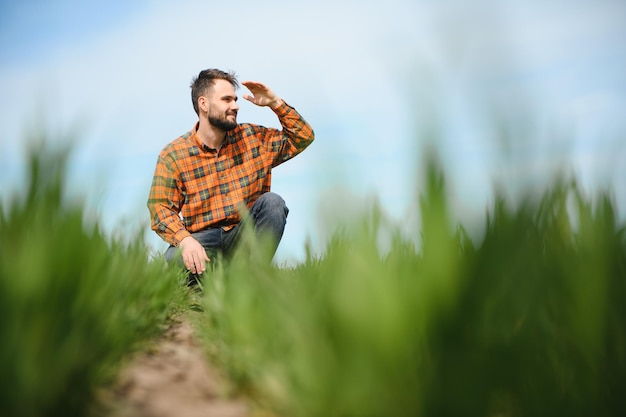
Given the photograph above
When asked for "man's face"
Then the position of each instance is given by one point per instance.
(223, 105)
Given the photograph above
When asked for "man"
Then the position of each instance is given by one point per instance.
(207, 178)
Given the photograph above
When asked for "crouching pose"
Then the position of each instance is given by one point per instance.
(207, 178)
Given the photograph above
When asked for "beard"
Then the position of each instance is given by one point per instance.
(221, 121)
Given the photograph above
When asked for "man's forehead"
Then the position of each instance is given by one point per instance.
(223, 87)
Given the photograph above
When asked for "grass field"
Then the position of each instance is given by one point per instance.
(73, 301)
(528, 320)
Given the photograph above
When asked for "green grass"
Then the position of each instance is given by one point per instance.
(73, 302)
(529, 320)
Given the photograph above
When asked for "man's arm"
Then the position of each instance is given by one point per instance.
(296, 135)
(164, 205)
(165, 201)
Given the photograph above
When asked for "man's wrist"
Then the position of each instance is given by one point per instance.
(180, 236)
(277, 103)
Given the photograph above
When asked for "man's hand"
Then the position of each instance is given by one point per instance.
(194, 255)
(261, 95)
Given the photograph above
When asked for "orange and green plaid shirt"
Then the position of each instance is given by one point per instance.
(196, 187)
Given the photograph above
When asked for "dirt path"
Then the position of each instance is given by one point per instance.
(172, 379)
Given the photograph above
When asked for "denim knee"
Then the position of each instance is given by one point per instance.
(272, 204)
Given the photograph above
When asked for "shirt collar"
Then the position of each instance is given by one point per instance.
(196, 138)
(201, 145)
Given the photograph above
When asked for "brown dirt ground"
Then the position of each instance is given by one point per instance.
(171, 379)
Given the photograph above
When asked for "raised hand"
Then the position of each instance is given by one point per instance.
(262, 95)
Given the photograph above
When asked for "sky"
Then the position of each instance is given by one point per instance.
(507, 92)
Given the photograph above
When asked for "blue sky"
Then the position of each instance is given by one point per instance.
(373, 78)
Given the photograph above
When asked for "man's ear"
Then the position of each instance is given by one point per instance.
(203, 104)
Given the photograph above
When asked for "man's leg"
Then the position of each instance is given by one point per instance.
(269, 216)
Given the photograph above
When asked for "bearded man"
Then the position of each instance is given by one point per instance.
(207, 178)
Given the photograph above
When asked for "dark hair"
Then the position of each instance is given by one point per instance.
(201, 84)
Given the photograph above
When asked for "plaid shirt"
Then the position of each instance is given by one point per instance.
(196, 187)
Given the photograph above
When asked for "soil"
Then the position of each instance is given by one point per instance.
(172, 379)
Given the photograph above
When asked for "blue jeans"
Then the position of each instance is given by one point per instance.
(268, 215)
